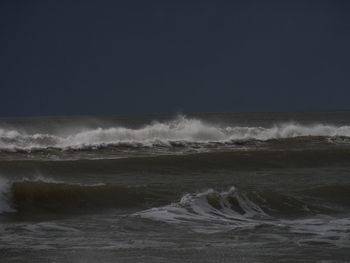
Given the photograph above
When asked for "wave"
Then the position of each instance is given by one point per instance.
(50, 196)
(233, 204)
(58, 197)
(228, 206)
(212, 211)
(176, 133)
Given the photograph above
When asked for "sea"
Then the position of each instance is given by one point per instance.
(228, 187)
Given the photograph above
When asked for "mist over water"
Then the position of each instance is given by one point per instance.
(179, 132)
(258, 187)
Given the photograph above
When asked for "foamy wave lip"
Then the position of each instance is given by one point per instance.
(210, 211)
(181, 131)
(48, 180)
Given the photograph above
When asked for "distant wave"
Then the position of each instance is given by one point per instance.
(177, 133)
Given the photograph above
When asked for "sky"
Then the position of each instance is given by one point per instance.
(109, 57)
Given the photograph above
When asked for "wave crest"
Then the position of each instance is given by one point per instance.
(212, 211)
(179, 132)
(231, 207)
(263, 204)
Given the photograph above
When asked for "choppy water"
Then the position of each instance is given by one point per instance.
(245, 187)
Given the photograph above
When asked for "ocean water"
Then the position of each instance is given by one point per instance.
(233, 187)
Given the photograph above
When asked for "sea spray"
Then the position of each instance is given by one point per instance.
(180, 131)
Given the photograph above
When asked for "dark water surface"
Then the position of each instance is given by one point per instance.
(243, 187)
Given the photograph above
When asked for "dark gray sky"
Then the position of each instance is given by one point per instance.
(132, 57)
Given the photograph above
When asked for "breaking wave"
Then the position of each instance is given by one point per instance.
(46, 195)
(234, 206)
(209, 210)
(180, 132)
(228, 207)
(212, 211)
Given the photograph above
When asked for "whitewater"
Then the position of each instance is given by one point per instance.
(180, 131)
(242, 187)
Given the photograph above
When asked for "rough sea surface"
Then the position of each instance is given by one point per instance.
(233, 187)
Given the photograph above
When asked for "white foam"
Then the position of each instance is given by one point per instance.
(181, 130)
(195, 210)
